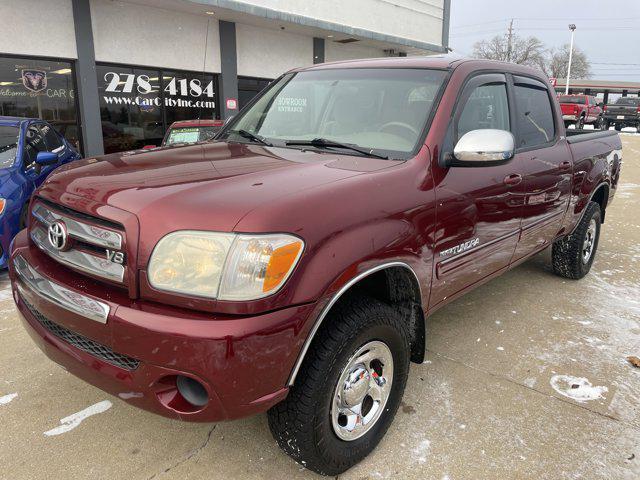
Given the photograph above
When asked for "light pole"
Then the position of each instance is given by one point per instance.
(572, 27)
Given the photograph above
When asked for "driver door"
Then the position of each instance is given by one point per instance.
(479, 209)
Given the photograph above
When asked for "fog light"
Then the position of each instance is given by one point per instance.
(192, 391)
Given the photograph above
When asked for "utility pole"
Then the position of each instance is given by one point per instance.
(572, 27)
(509, 40)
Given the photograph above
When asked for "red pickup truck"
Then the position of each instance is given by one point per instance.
(290, 265)
(581, 110)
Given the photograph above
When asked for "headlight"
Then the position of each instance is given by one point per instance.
(226, 266)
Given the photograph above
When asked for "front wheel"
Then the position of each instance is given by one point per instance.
(348, 389)
(580, 123)
(572, 256)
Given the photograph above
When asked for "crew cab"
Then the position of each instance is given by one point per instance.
(581, 110)
(30, 149)
(291, 264)
(625, 112)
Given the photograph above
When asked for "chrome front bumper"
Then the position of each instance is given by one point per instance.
(59, 295)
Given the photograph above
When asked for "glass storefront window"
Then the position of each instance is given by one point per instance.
(43, 89)
(138, 105)
(249, 87)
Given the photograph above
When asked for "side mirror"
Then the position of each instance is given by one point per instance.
(483, 148)
(46, 158)
(601, 104)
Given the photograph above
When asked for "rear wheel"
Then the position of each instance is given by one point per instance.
(573, 255)
(348, 389)
(618, 127)
(580, 123)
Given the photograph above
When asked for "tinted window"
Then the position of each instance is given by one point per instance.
(487, 107)
(572, 99)
(34, 143)
(628, 101)
(534, 116)
(8, 145)
(51, 137)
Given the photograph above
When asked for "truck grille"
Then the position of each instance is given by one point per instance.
(83, 343)
(87, 241)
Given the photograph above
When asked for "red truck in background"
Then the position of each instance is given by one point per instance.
(291, 264)
(581, 110)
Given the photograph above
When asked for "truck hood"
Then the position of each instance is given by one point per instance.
(202, 186)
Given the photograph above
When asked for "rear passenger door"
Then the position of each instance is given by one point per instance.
(547, 165)
(478, 209)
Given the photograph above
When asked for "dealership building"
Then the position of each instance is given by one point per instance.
(112, 75)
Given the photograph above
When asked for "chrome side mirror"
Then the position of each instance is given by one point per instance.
(483, 148)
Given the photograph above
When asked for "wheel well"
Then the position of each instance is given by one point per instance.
(399, 287)
(601, 197)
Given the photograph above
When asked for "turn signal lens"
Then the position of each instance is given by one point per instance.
(3, 203)
(258, 265)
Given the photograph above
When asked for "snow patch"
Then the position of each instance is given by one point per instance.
(5, 294)
(421, 451)
(72, 421)
(577, 388)
(7, 398)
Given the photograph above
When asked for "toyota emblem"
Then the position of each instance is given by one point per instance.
(57, 234)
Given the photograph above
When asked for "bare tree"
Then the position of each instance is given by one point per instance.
(558, 61)
(524, 51)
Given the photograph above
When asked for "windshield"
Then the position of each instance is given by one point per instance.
(8, 145)
(190, 134)
(381, 109)
(628, 101)
(569, 99)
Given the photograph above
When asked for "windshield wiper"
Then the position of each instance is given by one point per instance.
(326, 143)
(252, 136)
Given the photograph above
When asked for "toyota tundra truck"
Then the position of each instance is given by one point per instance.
(290, 265)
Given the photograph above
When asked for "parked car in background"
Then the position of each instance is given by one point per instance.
(291, 264)
(624, 113)
(30, 149)
(581, 110)
(191, 131)
(184, 132)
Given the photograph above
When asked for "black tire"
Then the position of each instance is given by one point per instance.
(302, 423)
(568, 253)
(580, 123)
(618, 127)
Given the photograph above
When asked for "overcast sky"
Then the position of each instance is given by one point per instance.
(607, 31)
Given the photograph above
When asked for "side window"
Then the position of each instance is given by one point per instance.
(486, 107)
(34, 143)
(534, 116)
(51, 137)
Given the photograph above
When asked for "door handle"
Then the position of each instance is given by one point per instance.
(513, 179)
(565, 166)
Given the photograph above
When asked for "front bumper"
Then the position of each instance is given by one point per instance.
(140, 349)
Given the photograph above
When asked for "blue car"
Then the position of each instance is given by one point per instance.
(30, 149)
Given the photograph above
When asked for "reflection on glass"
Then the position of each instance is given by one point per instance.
(40, 89)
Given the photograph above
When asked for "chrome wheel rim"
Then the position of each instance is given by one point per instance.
(589, 241)
(362, 391)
